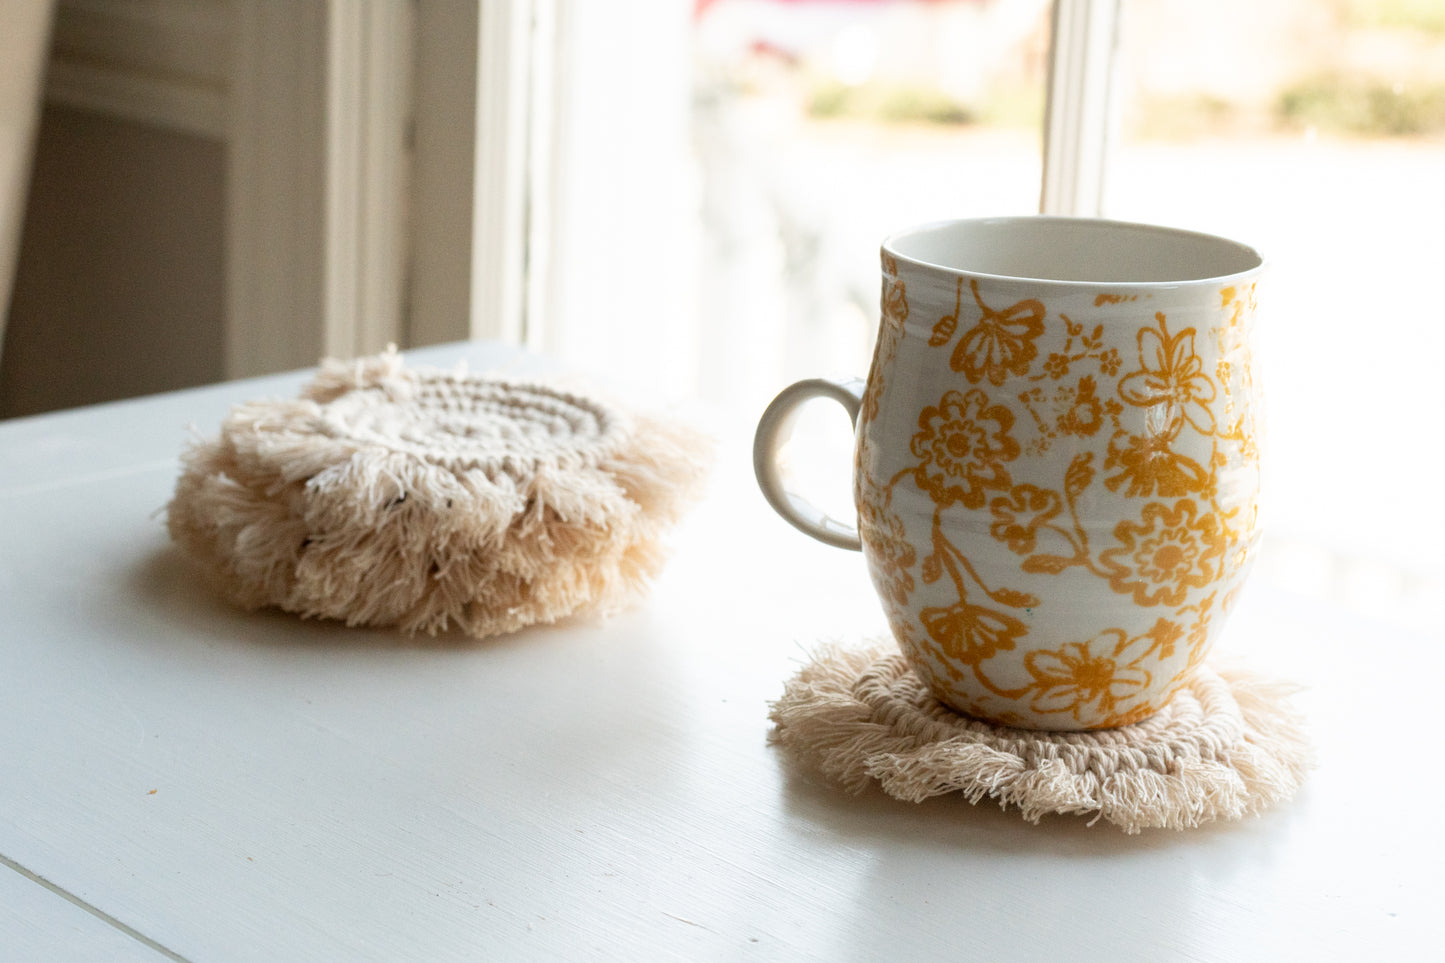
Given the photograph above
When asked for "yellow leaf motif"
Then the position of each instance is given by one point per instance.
(1014, 599)
(943, 331)
(1046, 564)
(1079, 475)
(971, 633)
(1001, 343)
(1018, 516)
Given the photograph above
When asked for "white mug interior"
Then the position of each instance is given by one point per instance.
(1074, 250)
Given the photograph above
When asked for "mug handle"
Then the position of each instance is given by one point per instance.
(774, 428)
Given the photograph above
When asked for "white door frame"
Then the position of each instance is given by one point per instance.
(318, 145)
(1080, 123)
(23, 51)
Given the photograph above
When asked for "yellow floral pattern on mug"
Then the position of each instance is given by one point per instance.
(1171, 381)
(1085, 416)
(1019, 515)
(893, 306)
(1091, 681)
(892, 555)
(964, 445)
(1056, 427)
(1148, 466)
(1170, 550)
(999, 344)
(971, 633)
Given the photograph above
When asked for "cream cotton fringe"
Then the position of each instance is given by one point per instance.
(1225, 747)
(427, 499)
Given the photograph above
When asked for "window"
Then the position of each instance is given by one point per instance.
(763, 148)
(1315, 131)
(719, 175)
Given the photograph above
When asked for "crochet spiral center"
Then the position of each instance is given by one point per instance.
(474, 425)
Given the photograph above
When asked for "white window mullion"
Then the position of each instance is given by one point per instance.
(317, 168)
(1079, 122)
(276, 187)
(368, 103)
(506, 47)
(479, 244)
(542, 136)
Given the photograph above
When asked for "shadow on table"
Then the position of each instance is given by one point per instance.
(554, 702)
(165, 581)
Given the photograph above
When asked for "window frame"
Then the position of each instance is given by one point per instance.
(1081, 115)
(518, 67)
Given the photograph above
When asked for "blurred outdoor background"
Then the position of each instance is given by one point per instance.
(1311, 129)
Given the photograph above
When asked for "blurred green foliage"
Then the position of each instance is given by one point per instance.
(1427, 16)
(1352, 105)
(887, 103)
(876, 102)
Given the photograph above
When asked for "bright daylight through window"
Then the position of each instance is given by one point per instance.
(1311, 129)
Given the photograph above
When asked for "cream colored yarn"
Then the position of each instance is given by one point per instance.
(426, 499)
(1225, 747)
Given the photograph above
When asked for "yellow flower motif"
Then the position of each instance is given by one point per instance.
(971, 633)
(890, 334)
(1089, 680)
(1162, 638)
(1172, 381)
(1199, 633)
(1002, 342)
(890, 555)
(1159, 560)
(1020, 514)
(1085, 415)
(1150, 467)
(1110, 362)
(964, 443)
(1056, 366)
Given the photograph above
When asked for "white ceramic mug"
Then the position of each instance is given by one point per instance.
(1057, 461)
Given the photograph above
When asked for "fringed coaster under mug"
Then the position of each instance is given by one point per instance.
(1227, 746)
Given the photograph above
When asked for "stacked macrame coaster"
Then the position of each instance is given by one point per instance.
(1226, 746)
(428, 499)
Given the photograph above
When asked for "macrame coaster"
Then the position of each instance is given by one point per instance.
(426, 499)
(1225, 747)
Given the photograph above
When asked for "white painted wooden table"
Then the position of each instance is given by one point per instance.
(179, 779)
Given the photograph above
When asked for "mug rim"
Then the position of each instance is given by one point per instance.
(890, 242)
